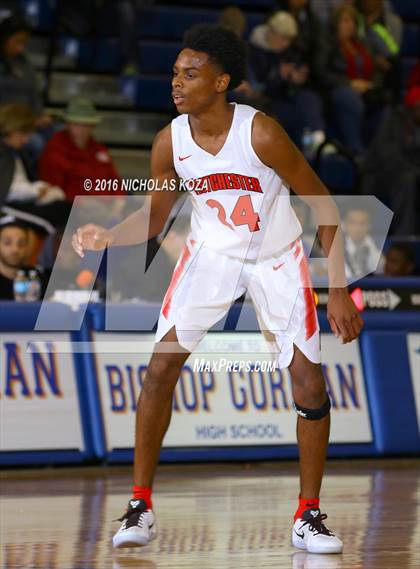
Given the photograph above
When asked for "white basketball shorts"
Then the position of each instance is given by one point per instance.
(205, 283)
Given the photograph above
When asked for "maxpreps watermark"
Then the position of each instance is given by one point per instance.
(223, 364)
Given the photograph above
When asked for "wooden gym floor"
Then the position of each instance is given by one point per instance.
(210, 516)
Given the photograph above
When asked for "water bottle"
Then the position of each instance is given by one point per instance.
(20, 286)
(34, 287)
(307, 143)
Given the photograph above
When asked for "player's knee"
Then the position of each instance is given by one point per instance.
(162, 374)
(309, 391)
(310, 397)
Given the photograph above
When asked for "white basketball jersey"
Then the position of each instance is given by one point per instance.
(240, 206)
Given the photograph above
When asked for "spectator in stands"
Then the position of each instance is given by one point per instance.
(73, 155)
(391, 170)
(324, 8)
(105, 17)
(361, 254)
(249, 92)
(350, 80)
(279, 64)
(14, 243)
(18, 82)
(311, 39)
(381, 29)
(399, 261)
(17, 75)
(38, 199)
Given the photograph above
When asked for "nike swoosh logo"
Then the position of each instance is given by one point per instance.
(150, 526)
(301, 535)
(277, 267)
(181, 158)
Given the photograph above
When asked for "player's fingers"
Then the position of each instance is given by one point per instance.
(353, 328)
(75, 242)
(334, 327)
(345, 329)
(357, 323)
(77, 246)
(99, 234)
(79, 234)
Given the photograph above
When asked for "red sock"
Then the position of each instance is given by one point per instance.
(143, 493)
(306, 504)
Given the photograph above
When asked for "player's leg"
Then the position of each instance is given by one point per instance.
(313, 427)
(287, 314)
(153, 416)
(309, 392)
(154, 408)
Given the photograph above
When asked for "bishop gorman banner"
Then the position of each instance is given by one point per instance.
(230, 397)
(39, 402)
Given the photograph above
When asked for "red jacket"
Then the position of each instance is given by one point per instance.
(63, 164)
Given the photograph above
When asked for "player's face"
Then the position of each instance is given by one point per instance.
(13, 246)
(196, 82)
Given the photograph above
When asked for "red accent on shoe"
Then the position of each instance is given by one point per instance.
(306, 504)
(143, 493)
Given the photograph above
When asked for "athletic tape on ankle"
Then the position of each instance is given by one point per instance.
(313, 414)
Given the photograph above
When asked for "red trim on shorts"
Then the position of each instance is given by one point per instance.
(176, 277)
(311, 318)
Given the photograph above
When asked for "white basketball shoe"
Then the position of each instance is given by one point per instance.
(310, 533)
(138, 527)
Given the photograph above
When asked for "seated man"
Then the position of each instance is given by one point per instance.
(73, 156)
(360, 251)
(14, 245)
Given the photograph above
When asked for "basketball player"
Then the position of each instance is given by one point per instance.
(244, 236)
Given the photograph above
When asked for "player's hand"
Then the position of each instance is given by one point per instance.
(343, 316)
(92, 238)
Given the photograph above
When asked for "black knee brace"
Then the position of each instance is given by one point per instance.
(313, 414)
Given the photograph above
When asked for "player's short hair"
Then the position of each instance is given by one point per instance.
(223, 47)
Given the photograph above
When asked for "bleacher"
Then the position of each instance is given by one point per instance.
(135, 108)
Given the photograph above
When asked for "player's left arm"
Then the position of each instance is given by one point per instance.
(275, 149)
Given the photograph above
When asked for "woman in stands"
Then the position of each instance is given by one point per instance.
(34, 201)
(351, 79)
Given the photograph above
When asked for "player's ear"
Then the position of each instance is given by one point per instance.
(222, 82)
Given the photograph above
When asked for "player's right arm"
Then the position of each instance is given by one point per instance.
(149, 220)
